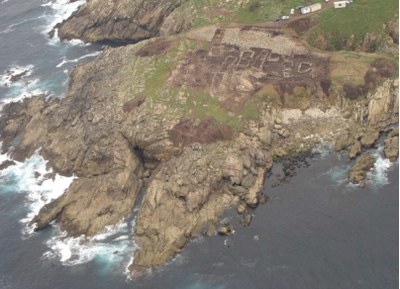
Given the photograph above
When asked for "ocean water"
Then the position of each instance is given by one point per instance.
(317, 231)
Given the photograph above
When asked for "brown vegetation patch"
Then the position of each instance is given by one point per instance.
(155, 48)
(353, 92)
(380, 69)
(392, 28)
(302, 25)
(188, 131)
(254, 6)
(326, 86)
(132, 104)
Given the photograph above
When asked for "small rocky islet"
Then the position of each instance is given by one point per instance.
(195, 117)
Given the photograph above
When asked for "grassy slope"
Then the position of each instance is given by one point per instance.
(338, 26)
(204, 12)
(257, 11)
(154, 72)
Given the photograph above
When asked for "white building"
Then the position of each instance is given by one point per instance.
(315, 7)
(311, 8)
(305, 10)
(340, 4)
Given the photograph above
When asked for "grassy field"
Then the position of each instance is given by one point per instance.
(205, 12)
(346, 28)
(256, 11)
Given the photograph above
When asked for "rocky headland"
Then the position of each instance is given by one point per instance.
(194, 121)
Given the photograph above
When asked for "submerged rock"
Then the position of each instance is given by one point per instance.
(246, 219)
(225, 230)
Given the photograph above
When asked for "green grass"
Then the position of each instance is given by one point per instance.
(346, 28)
(206, 12)
(257, 11)
(162, 66)
(201, 105)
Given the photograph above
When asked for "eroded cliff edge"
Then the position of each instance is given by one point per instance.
(195, 120)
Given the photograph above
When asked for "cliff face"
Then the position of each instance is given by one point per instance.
(195, 120)
(121, 21)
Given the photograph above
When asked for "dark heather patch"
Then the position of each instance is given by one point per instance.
(326, 85)
(302, 25)
(380, 69)
(188, 131)
(155, 48)
(353, 92)
(132, 104)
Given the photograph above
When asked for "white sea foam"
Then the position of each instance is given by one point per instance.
(24, 87)
(31, 180)
(323, 149)
(62, 10)
(114, 246)
(6, 77)
(338, 174)
(3, 157)
(76, 60)
(378, 176)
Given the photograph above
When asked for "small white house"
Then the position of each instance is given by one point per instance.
(305, 10)
(340, 4)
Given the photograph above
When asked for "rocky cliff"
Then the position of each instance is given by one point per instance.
(195, 120)
(121, 21)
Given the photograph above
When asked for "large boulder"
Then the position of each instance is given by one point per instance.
(391, 149)
(361, 167)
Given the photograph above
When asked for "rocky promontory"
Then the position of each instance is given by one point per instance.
(121, 21)
(194, 121)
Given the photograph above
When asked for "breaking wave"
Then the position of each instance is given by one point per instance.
(19, 84)
(62, 9)
(37, 182)
(112, 248)
(378, 176)
(76, 60)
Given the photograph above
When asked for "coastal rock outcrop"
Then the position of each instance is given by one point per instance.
(361, 167)
(122, 21)
(391, 148)
(194, 122)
